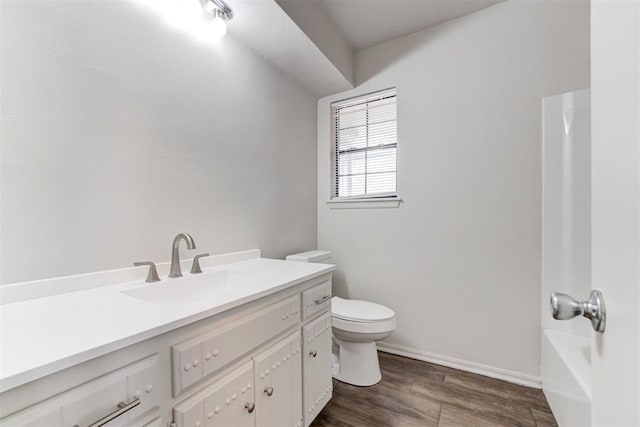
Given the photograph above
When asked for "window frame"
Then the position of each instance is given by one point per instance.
(375, 200)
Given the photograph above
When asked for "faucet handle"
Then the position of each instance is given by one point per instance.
(195, 267)
(152, 276)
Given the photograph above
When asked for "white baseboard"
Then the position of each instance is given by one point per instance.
(463, 365)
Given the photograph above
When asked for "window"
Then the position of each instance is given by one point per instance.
(365, 141)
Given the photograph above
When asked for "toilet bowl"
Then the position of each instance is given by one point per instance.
(356, 326)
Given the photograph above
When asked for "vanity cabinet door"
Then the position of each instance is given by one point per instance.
(316, 365)
(225, 403)
(278, 378)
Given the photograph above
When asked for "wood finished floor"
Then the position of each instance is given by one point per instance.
(415, 393)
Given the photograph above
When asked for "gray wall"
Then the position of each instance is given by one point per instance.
(459, 260)
(119, 131)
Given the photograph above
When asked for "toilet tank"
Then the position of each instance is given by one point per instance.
(323, 257)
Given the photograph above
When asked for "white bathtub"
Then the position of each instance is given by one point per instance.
(566, 376)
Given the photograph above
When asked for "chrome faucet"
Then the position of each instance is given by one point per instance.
(176, 271)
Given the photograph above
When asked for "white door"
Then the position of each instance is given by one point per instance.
(615, 114)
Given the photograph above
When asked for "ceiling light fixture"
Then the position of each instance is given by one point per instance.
(206, 20)
(219, 13)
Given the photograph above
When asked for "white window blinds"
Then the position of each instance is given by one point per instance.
(365, 143)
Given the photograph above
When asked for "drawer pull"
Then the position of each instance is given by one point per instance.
(313, 353)
(323, 299)
(122, 408)
(269, 391)
(250, 407)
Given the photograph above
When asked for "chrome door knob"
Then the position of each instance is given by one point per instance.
(313, 353)
(564, 307)
(250, 407)
(269, 391)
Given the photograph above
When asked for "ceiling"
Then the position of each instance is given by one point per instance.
(365, 23)
(313, 41)
(264, 27)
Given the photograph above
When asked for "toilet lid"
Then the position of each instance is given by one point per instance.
(359, 311)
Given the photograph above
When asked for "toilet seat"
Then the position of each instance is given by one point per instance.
(359, 311)
(361, 316)
(364, 327)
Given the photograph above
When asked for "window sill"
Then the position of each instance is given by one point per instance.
(371, 203)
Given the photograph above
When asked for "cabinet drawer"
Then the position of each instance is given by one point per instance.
(133, 385)
(227, 402)
(156, 422)
(200, 357)
(316, 299)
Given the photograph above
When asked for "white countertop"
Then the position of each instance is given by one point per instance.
(45, 335)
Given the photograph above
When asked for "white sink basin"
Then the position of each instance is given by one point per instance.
(194, 287)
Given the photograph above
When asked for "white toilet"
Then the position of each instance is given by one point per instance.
(357, 325)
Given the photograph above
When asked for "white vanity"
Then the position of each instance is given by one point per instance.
(246, 343)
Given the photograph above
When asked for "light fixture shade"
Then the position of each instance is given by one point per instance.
(218, 26)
